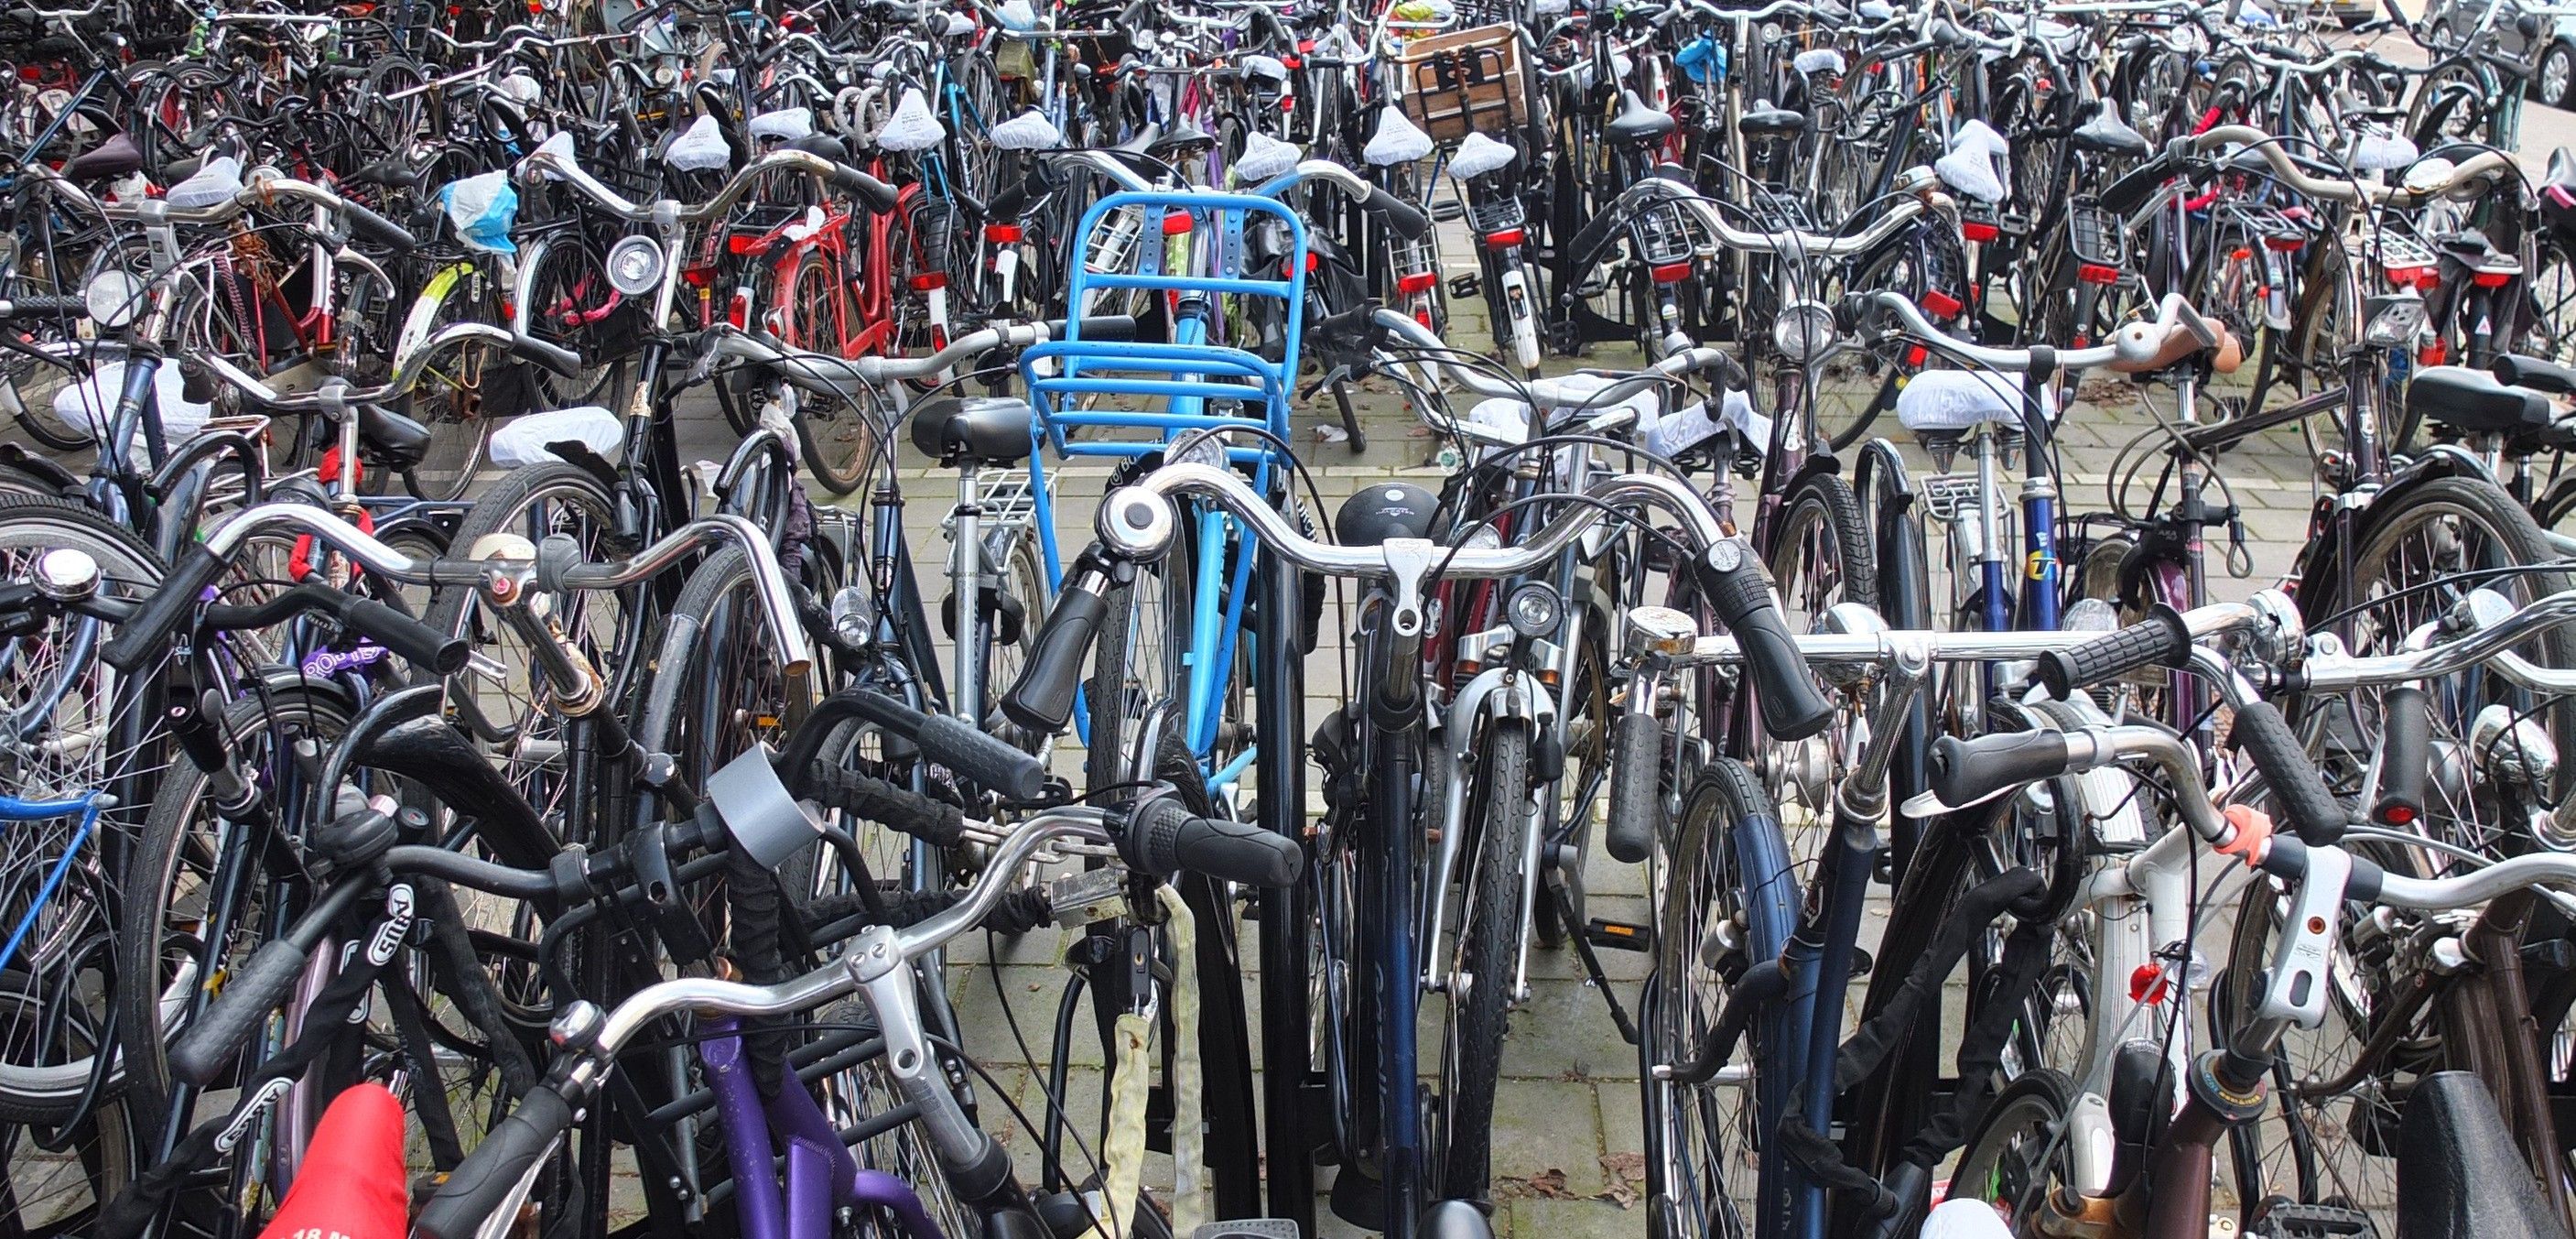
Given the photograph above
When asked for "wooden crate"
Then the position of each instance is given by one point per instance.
(1466, 81)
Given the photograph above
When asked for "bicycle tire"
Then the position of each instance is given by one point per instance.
(1486, 956)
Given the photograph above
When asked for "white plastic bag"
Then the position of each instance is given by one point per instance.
(1396, 141)
(912, 127)
(482, 209)
(522, 441)
(91, 403)
(700, 148)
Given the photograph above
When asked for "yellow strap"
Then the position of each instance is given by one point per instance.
(1189, 1128)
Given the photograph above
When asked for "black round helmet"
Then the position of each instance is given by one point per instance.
(1383, 510)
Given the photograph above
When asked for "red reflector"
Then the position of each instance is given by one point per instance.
(2491, 279)
(1293, 62)
(1917, 355)
(2239, 254)
(1941, 306)
(2096, 273)
(1004, 234)
(929, 281)
(2147, 983)
(1418, 282)
(1979, 231)
(2432, 354)
(739, 313)
(2403, 276)
(1507, 238)
(2398, 815)
(1176, 223)
(1671, 272)
(2286, 245)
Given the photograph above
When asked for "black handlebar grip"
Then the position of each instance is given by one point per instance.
(876, 800)
(47, 305)
(876, 195)
(2299, 796)
(1163, 836)
(377, 228)
(546, 353)
(1964, 772)
(989, 763)
(253, 990)
(2159, 640)
(143, 636)
(411, 640)
(2515, 370)
(2405, 756)
(1793, 708)
(489, 1178)
(1399, 214)
(1107, 327)
(1042, 700)
(1636, 786)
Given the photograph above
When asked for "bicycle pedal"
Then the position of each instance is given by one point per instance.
(2289, 1221)
(1467, 284)
(1618, 935)
(1248, 1228)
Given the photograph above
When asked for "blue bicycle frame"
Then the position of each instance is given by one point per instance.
(13, 809)
(1185, 374)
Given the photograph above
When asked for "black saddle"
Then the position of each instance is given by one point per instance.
(115, 157)
(823, 144)
(1638, 122)
(2107, 134)
(390, 439)
(2473, 402)
(2458, 1169)
(988, 430)
(1767, 121)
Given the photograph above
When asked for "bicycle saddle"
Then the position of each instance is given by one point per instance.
(2473, 402)
(1637, 122)
(1380, 512)
(2562, 168)
(991, 430)
(396, 171)
(823, 144)
(115, 157)
(2107, 134)
(352, 1180)
(1766, 121)
(391, 439)
(2458, 1172)
(1185, 138)
(1142, 141)
(1455, 1219)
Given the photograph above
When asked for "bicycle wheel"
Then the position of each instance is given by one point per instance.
(1137, 671)
(456, 397)
(514, 716)
(2412, 559)
(839, 438)
(2018, 1155)
(57, 1179)
(1727, 902)
(1483, 959)
(1822, 555)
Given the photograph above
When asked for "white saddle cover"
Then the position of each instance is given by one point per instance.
(785, 124)
(91, 403)
(1955, 400)
(1396, 141)
(522, 441)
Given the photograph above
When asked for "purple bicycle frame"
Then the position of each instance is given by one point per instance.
(822, 1177)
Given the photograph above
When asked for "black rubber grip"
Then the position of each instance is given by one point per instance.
(2159, 640)
(2515, 370)
(1042, 700)
(1097, 327)
(47, 305)
(2300, 800)
(876, 800)
(410, 640)
(1399, 214)
(250, 992)
(1964, 772)
(2405, 756)
(545, 353)
(1636, 786)
(484, 1183)
(1163, 836)
(143, 637)
(1793, 708)
(875, 195)
(991, 764)
(378, 229)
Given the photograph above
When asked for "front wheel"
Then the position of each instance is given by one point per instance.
(2016, 1157)
(1485, 959)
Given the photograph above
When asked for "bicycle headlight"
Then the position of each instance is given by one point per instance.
(635, 265)
(113, 297)
(1804, 331)
(1533, 610)
(2394, 318)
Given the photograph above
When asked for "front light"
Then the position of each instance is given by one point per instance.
(635, 265)
(113, 297)
(2394, 319)
(1804, 331)
(1533, 610)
